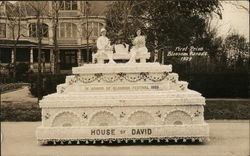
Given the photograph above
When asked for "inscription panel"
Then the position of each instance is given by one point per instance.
(122, 88)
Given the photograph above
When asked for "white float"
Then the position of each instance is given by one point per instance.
(121, 103)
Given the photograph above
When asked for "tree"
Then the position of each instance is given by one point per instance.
(56, 5)
(120, 24)
(38, 7)
(174, 22)
(238, 4)
(237, 49)
(85, 28)
(14, 14)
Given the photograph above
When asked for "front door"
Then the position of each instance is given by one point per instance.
(68, 59)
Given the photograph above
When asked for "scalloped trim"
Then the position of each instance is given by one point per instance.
(184, 111)
(136, 111)
(62, 112)
(101, 111)
(125, 140)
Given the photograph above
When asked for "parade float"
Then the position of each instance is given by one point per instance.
(122, 103)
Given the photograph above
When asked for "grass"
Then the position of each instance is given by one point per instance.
(227, 109)
(20, 112)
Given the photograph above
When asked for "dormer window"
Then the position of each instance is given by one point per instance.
(68, 5)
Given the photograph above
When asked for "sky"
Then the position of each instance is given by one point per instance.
(234, 19)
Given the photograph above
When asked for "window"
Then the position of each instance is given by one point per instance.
(68, 5)
(62, 30)
(2, 30)
(74, 5)
(45, 30)
(99, 29)
(33, 30)
(93, 29)
(67, 30)
(5, 55)
(74, 30)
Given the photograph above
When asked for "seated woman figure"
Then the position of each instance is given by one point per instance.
(139, 47)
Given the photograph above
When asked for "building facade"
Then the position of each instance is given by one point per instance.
(74, 27)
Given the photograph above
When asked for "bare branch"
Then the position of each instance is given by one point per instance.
(238, 5)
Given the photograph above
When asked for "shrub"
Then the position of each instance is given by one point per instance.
(227, 109)
(49, 83)
(22, 72)
(219, 85)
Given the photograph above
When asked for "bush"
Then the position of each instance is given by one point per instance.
(22, 72)
(227, 109)
(219, 85)
(49, 83)
(210, 85)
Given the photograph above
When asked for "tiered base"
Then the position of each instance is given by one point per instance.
(122, 103)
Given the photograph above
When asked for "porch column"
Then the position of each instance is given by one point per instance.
(162, 58)
(51, 34)
(79, 58)
(156, 55)
(31, 59)
(52, 61)
(12, 56)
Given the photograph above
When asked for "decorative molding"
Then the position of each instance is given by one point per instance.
(102, 111)
(110, 78)
(138, 111)
(64, 112)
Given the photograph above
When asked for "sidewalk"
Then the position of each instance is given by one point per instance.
(228, 138)
(20, 96)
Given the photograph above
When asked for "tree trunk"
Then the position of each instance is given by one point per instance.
(88, 51)
(43, 62)
(14, 62)
(163, 57)
(56, 50)
(56, 53)
(39, 87)
(88, 35)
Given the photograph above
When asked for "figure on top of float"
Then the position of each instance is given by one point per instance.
(104, 47)
(139, 43)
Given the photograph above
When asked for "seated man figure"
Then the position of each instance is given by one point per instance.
(104, 47)
(139, 46)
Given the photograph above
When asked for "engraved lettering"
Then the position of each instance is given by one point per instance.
(141, 131)
(102, 132)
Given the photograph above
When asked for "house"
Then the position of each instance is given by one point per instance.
(77, 21)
